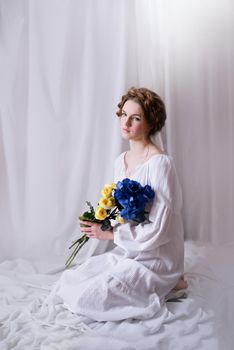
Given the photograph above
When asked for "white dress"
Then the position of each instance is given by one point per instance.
(132, 280)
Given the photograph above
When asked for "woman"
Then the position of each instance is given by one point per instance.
(133, 279)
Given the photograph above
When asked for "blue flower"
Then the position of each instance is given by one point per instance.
(131, 198)
(148, 192)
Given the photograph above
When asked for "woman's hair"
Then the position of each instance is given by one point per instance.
(151, 104)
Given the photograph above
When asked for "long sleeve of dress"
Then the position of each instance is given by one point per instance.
(156, 231)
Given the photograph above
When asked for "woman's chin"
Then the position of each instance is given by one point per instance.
(126, 136)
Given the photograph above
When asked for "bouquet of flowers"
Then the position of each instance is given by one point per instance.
(124, 201)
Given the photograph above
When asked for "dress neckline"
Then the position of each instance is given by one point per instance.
(141, 164)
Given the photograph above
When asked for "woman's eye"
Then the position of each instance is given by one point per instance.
(136, 118)
(123, 115)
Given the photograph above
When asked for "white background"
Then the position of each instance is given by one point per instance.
(63, 68)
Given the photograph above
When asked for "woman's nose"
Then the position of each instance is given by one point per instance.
(128, 121)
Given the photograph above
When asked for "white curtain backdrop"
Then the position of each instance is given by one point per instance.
(64, 65)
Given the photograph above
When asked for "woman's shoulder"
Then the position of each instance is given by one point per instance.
(118, 165)
(119, 158)
(161, 167)
(158, 156)
(161, 160)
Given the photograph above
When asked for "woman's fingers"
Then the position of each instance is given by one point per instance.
(90, 228)
(90, 235)
(86, 229)
(87, 223)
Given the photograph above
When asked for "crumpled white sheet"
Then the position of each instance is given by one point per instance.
(192, 323)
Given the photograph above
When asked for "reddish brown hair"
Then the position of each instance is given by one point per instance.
(151, 104)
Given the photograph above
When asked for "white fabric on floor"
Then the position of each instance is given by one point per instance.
(193, 323)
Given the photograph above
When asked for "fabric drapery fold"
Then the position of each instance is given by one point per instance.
(64, 66)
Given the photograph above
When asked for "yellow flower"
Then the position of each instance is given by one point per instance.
(107, 191)
(113, 186)
(100, 213)
(120, 219)
(106, 203)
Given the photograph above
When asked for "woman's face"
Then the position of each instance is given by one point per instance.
(133, 123)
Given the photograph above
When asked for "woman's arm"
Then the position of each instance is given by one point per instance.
(156, 231)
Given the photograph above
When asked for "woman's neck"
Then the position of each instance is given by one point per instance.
(138, 147)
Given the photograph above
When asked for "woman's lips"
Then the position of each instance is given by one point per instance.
(126, 130)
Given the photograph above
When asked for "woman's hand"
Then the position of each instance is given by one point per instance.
(93, 230)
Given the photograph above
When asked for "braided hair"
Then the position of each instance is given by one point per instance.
(151, 104)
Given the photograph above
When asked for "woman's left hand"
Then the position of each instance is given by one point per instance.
(93, 230)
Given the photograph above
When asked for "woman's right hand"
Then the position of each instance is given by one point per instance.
(93, 230)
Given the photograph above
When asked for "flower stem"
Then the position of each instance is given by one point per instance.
(77, 241)
(80, 242)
